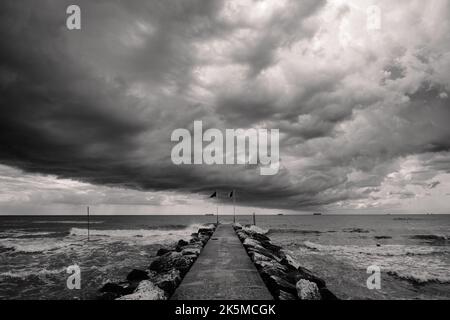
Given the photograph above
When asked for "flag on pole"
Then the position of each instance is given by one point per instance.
(216, 195)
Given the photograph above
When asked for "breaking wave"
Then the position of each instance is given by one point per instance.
(416, 264)
(298, 231)
(140, 233)
(144, 236)
(431, 237)
(66, 222)
(25, 234)
(25, 274)
(42, 242)
(385, 250)
(256, 229)
(33, 245)
(420, 277)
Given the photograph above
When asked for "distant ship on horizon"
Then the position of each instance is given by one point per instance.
(317, 214)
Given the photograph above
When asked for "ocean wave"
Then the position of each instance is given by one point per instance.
(19, 233)
(256, 229)
(66, 222)
(355, 230)
(144, 236)
(29, 273)
(127, 233)
(290, 230)
(416, 264)
(431, 237)
(14, 234)
(170, 227)
(419, 277)
(33, 245)
(78, 237)
(385, 250)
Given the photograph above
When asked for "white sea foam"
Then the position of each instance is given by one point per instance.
(385, 250)
(418, 264)
(23, 233)
(126, 233)
(34, 245)
(66, 222)
(143, 236)
(27, 273)
(420, 276)
(77, 237)
(256, 229)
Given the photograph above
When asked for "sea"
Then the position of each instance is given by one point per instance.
(412, 252)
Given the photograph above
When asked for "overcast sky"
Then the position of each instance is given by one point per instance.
(86, 116)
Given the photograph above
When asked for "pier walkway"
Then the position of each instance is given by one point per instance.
(223, 271)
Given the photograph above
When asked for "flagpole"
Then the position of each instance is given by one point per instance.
(88, 221)
(234, 206)
(217, 196)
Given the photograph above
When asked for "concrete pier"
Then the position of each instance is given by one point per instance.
(223, 271)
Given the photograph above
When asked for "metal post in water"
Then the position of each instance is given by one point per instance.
(88, 221)
(217, 196)
(234, 206)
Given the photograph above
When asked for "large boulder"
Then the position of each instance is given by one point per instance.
(259, 237)
(307, 290)
(117, 289)
(251, 243)
(237, 226)
(289, 260)
(277, 284)
(204, 238)
(191, 250)
(162, 251)
(257, 257)
(197, 243)
(146, 291)
(172, 260)
(242, 235)
(195, 238)
(305, 274)
(181, 244)
(205, 232)
(263, 251)
(270, 268)
(165, 262)
(137, 275)
(168, 281)
(272, 247)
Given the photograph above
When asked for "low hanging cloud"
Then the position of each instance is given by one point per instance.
(362, 113)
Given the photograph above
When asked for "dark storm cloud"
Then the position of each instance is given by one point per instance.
(99, 105)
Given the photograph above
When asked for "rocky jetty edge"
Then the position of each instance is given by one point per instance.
(164, 274)
(282, 274)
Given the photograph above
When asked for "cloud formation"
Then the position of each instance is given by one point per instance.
(363, 114)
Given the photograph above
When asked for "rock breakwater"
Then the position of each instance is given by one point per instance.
(283, 275)
(164, 274)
